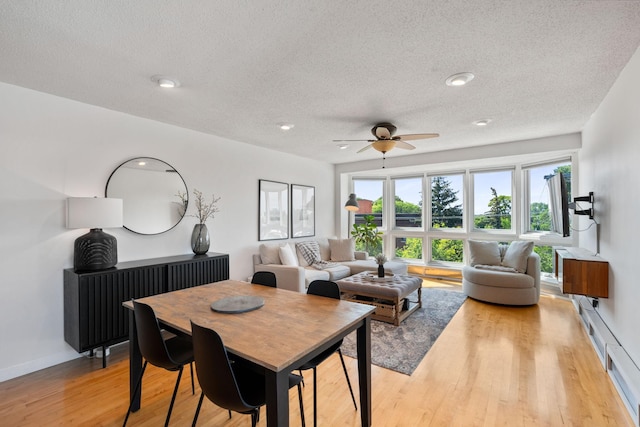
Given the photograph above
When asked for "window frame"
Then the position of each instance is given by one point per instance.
(464, 227)
(392, 219)
(472, 197)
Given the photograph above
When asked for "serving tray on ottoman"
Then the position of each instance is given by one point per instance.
(389, 296)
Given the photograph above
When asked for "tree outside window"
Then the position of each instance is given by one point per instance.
(449, 250)
(492, 200)
(446, 210)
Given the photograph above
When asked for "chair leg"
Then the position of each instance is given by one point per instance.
(301, 405)
(134, 393)
(195, 417)
(254, 417)
(173, 398)
(315, 398)
(347, 376)
(193, 387)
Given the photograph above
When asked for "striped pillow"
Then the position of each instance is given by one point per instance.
(310, 251)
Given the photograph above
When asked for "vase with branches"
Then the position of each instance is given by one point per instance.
(200, 240)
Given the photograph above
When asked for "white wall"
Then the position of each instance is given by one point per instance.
(610, 167)
(52, 148)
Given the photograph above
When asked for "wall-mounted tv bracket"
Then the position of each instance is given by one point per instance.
(588, 199)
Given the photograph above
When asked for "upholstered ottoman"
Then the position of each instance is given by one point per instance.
(389, 294)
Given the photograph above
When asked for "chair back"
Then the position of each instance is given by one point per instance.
(214, 371)
(266, 278)
(150, 340)
(324, 288)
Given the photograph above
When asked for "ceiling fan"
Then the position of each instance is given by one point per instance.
(385, 139)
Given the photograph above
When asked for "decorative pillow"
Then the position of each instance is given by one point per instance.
(310, 251)
(287, 256)
(269, 254)
(484, 253)
(342, 249)
(517, 254)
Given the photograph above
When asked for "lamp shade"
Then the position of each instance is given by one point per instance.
(94, 212)
(352, 203)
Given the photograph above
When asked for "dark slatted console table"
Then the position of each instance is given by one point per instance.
(93, 313)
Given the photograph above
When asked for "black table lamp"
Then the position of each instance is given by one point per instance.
(95, 250)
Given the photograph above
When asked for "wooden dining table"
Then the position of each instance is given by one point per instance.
(288, 330)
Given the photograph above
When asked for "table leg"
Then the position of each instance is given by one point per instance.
(277, 395)
(420, 296)
(135, 362)
(364, 370)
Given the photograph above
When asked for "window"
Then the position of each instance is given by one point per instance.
(446, 201)
(546, 258)
(409, 247)
(539, 217)
(408, 202)
(369, 193)
(448, 250)
(492, 199)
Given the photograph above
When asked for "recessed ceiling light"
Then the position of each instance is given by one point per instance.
(482, 122)
(165, 82)
(459, 79)
(285, 126)
(343, 146)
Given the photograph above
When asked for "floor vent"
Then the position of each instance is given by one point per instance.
(626, 378)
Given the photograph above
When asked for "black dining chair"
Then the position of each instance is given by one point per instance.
(230, 384)
(266, 278)
(171, 354)
(329, 289)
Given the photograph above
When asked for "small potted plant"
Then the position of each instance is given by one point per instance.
(381, 259)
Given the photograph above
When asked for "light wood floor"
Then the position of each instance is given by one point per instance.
(492, 366)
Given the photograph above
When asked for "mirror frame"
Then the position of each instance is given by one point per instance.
(169, 167)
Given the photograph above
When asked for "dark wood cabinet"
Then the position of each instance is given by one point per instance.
(93, 312)
(582, 273)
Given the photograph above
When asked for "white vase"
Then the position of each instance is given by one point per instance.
(200, 239)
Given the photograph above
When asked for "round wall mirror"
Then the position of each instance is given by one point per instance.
(154, 195)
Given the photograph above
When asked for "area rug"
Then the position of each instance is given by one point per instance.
(401, 348)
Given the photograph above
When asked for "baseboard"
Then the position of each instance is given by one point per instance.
(625, 376)
(599, 334)
(36, 365)
(623, 372)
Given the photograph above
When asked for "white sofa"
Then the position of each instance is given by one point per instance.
(499, 277)
(295, 274)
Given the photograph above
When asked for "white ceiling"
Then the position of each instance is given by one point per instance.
(333, 68)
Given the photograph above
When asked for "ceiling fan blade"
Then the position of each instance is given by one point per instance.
(353, 140)
(366, 147)
(405, 145)
(414, 136)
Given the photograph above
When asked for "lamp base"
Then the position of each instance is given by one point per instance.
(95, 251)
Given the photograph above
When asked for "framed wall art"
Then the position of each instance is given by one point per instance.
(303, 210)
(273, 210)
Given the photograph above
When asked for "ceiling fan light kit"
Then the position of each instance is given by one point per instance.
(386, 140)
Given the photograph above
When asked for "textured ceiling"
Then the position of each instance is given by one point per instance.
(333, 68)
